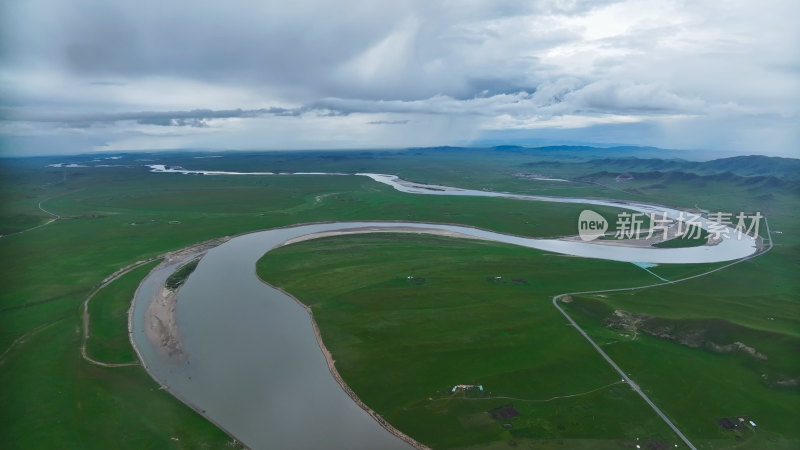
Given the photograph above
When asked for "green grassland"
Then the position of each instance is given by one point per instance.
(697, 385)
(114, 216)
(402, 343)
(108, 311)
(52, 398)
(459, 325)
(695, 326)
(751, 183)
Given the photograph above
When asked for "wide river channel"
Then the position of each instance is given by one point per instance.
(253, 363)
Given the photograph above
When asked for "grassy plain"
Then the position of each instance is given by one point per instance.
(402, 343)
(52, 398)
(688, 366)
(108, 311)
(113, 216)
(696, 368)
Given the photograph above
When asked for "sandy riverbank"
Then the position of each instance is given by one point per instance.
(161, 319)
(162, 324)
(163, 331)
(655, 238)
(365, 230)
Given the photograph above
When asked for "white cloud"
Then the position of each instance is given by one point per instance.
(438, 72)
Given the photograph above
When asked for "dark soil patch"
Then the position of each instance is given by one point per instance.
(504, 412)
(726, 423)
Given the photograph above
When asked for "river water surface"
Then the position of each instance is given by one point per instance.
(254, 366)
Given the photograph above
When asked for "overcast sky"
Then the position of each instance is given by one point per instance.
(79, 76)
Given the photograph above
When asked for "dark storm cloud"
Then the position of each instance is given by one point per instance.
(302, 43)
(563, 96)
(245, 41)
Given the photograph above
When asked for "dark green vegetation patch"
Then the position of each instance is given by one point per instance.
(179, 277)
(692, 238)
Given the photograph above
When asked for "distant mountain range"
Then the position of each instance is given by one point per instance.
(566, 160)
(743, 166)
(753, 165)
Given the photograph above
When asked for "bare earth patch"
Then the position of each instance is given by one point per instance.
(363, 230)
(161, 325)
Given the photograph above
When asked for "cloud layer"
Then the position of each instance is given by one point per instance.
(81, 75)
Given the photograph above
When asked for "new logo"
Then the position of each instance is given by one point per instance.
(591, 225)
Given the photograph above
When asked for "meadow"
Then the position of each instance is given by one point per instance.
(454, 322)
(113, 216)
(402, 343)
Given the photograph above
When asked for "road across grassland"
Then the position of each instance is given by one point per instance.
(614, 365)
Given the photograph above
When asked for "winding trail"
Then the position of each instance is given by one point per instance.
(56, 216)
(86, 318)
(21, 340)
(168, 257)
(39, 205)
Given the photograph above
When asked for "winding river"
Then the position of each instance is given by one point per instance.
(254, 366)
